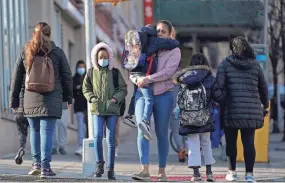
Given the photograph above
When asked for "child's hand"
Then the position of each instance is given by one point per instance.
(142, 82)
(174, 81)
(114, 100)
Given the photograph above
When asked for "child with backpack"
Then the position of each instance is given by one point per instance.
(194, 101)
(139, 57)
(105, 90)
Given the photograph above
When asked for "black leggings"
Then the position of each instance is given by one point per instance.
(247, 136)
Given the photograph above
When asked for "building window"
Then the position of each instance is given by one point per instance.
(13, 36)
(58, 28)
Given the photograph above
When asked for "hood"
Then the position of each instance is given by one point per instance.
(148, 30)
(94, 52)
(193, 74)
(241, 63)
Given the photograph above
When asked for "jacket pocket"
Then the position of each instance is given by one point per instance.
(95, 106)
(112, 107)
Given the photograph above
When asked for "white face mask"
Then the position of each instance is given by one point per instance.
(103, 62)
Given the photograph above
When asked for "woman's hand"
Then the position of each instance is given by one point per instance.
(14, 109)
(142, 82)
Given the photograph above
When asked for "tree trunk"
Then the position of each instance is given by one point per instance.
(275, 105)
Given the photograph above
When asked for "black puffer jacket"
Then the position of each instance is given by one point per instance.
(241, 87)
(46, 104)
(80, 102)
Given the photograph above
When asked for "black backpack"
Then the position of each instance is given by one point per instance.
(116, 85)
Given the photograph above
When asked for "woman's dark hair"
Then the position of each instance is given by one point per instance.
(241, 48)
(80, 62)
(198, 59)
(167, 23)
(101, 49)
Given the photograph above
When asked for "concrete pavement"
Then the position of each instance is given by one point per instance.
(69, 167)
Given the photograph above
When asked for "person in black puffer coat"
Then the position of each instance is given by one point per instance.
(198, 135)
(80, 104)
(241, 87)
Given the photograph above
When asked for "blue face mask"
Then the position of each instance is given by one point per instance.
(103, 62)
(81, 71)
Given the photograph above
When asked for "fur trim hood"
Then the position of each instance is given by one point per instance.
(94, 52)
(191, 68)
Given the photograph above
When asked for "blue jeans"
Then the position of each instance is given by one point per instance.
(131, 110)
(41, 136)
(99, 122)
(148, 98)
(162, 109)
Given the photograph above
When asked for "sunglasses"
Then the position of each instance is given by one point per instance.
(161, 30)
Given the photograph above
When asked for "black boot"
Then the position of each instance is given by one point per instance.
(100, 169)
(111, 174)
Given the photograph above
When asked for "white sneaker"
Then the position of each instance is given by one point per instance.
(145, 128)
(116, 152)
(78, 151)
(130, 121)
(231, 176)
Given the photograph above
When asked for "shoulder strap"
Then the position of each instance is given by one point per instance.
(89, 74)
(115, 77)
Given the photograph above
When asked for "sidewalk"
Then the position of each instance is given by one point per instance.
(68, 168)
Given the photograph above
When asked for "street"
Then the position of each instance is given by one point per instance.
(69, 167)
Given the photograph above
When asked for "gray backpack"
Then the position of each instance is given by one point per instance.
(194, 105)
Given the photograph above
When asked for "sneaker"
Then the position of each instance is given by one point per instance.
(141, 176)
(145, 128)
(19, 157)
(36, 169)
(162, 178)
(78, 151)
(130, 121)
(181, 155)
(54, 151)
(249, 177)
(196, 179)
(47, 172)
(231, 176)
(211, 178)
(62, 151)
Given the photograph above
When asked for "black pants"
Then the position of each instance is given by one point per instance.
(86, 123)
(247, 137)
(22, 126)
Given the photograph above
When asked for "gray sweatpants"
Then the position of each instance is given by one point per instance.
(60, 135)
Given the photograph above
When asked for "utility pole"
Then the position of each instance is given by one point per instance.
(90, 39)
(88, 158)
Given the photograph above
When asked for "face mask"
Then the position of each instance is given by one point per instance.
(81, 71)
(103, 62)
